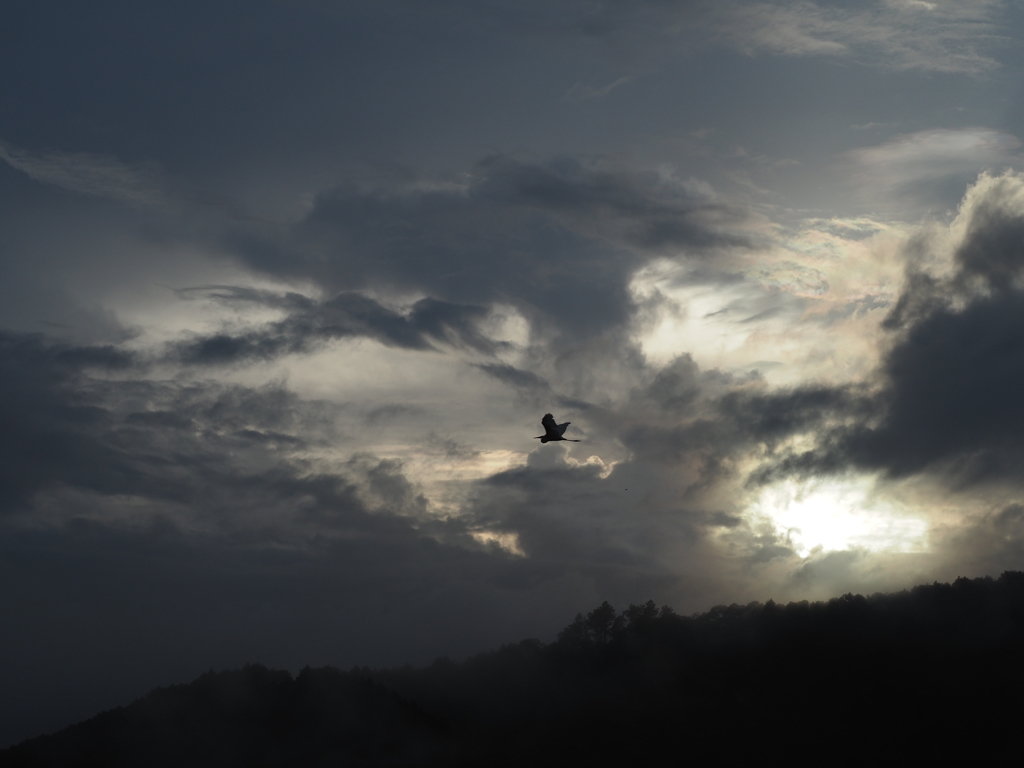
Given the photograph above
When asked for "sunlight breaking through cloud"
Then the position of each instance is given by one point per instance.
(271, 381)
(837, 515)
(507, 541)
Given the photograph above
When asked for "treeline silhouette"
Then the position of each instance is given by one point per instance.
(917, 674)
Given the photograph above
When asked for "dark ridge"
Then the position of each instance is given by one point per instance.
(919, 674)
(249, 717)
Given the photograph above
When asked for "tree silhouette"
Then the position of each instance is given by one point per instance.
(912, 675)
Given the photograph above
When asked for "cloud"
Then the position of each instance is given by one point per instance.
(947, 400)
(557, 241)
(381, 499)
(309, 324)
(390, 412)
(179, 449)
(941, 36)
(931, 167)
(155, 509)
(50, 424)
(261, 465)
(515, 377)
(983, 539)
(450, 448)
(245, 491)
(87, 174)
(580, 92)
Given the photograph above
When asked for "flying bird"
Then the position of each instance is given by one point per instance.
(553, 431)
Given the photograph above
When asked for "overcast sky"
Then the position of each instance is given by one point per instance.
(287, 287)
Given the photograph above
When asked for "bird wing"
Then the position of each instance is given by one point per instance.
(548, 422)
(561, 427)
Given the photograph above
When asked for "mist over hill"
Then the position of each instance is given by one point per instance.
(921, 672)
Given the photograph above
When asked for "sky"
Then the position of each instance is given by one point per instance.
(288, 286)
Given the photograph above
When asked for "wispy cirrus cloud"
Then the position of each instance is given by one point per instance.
(309, 324)
(939, 36)
(88, 174)
(894, 34)
(933, 166)
(581, 92)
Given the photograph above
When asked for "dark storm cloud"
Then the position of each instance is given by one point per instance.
(570, 521)
(992, 249)
(677, 385)
(954, 393)
(683, 435)
(228, 461)
(203, 446)
(705, 443)
(226, 457)
(153, 524)
(49, 425)
(456, 324)
(949, 390)
(515, 377)
(309, 324)
(770, 417)
(954, 376)
(534, 390)
(391, 412)
(211, 478)
(558, 241)
(636, 208)
(673, 420)
(181, 521)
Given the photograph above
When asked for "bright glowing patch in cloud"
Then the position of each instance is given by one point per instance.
(694, 319)
(839, 515)
(507, 541)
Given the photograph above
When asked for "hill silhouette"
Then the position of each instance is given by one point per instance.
(928, 672)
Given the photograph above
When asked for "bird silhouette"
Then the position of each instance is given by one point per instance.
(553, 431)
